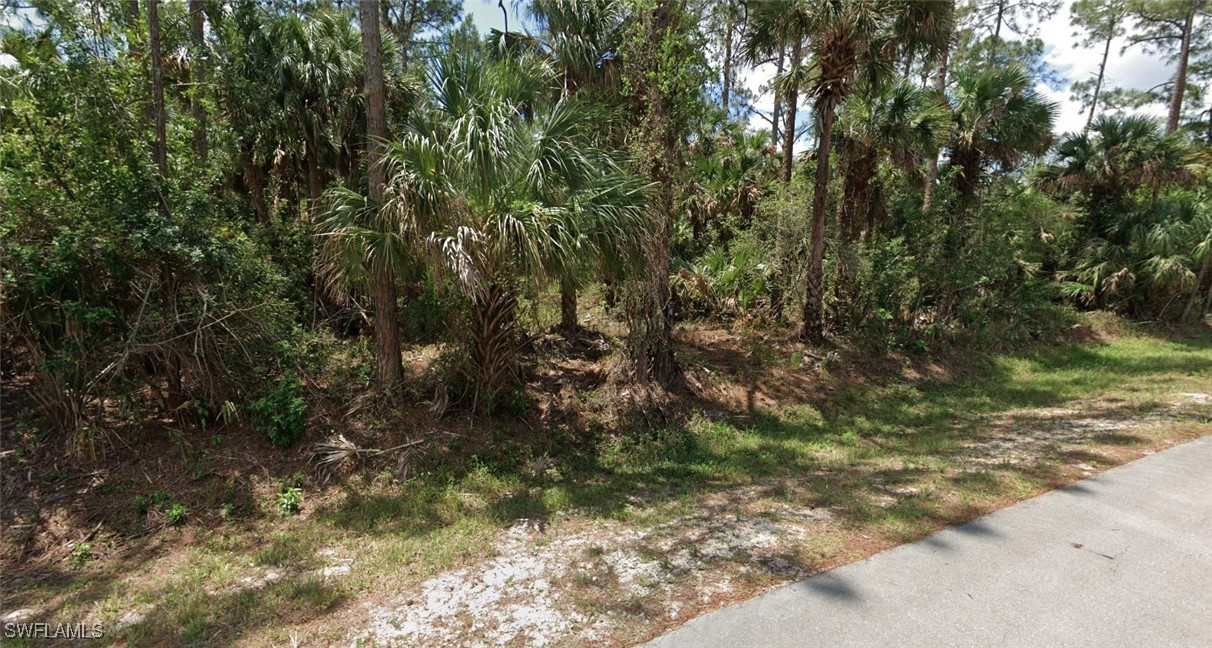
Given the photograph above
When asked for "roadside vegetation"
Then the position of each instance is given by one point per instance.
(328, 315)
(633, 531)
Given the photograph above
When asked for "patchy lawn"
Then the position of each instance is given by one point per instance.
(790, 464)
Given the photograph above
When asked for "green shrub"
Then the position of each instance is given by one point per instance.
(282, 413)
(175, 514)
(156, 500)
(290, 500)
(80, 555)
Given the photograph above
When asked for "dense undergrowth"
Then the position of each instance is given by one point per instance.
(364, 268)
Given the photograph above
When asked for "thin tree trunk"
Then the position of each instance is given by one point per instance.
(813, 330)
(177, 397)
(940, 89)
(1102, 69)
(997, 32)
(568, 304)
(254, 180)
(777, 114)
(197, 73)
(1180, 79)
(160, 147)
(315, 177)
(132, 22)
(789, 125)
(727, 77)
(854, 209)
(390, 371)
(651, 341)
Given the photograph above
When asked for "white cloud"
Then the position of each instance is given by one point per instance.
(1132, 69)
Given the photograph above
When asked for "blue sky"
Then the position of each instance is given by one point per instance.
(487, 15)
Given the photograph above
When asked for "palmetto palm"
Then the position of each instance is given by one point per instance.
(1164, 253)
(923, 28)
(581, 37)
(499, 186)
(776, 26)
(730, 168)
(894, 127)
(999, 118)
(900, 123)
(1109, 160)
(1165, 246)
(295, 90)
(848, 38)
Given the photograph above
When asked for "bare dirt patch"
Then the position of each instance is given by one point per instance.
(593, 579)
(606, 581)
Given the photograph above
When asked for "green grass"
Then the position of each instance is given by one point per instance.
(841, 449)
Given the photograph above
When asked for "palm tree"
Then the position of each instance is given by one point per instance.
(500, 186)
(1125, 238)
(387, 332)
(902, 124)
(1105, 163)
(1158, 255)
(844, 35)
(999, 118)
(729, 175)
(774, 27)
(293, 92)
(923, 28)
(1202, 253)
(582, 38)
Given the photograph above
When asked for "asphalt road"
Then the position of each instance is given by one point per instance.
(1120, 559)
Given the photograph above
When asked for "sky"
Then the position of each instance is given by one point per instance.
(1132, 69)
(487, 14)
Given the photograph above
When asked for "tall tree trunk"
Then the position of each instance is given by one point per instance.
(160, 147)
(1102, 69)
(789, 126)
(1180, 79)
(197, 73)
(727, 76)
(568, 303)
(853, 211)
(777, 114)
(390, 371)
(940, 89)
(813, 330)
(650, 343)
(315, 176)
(997, 32)
(177, 397)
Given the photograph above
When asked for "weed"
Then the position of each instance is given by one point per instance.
(282, 413)
(290, 500)
(80, 555)
(175, 514)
